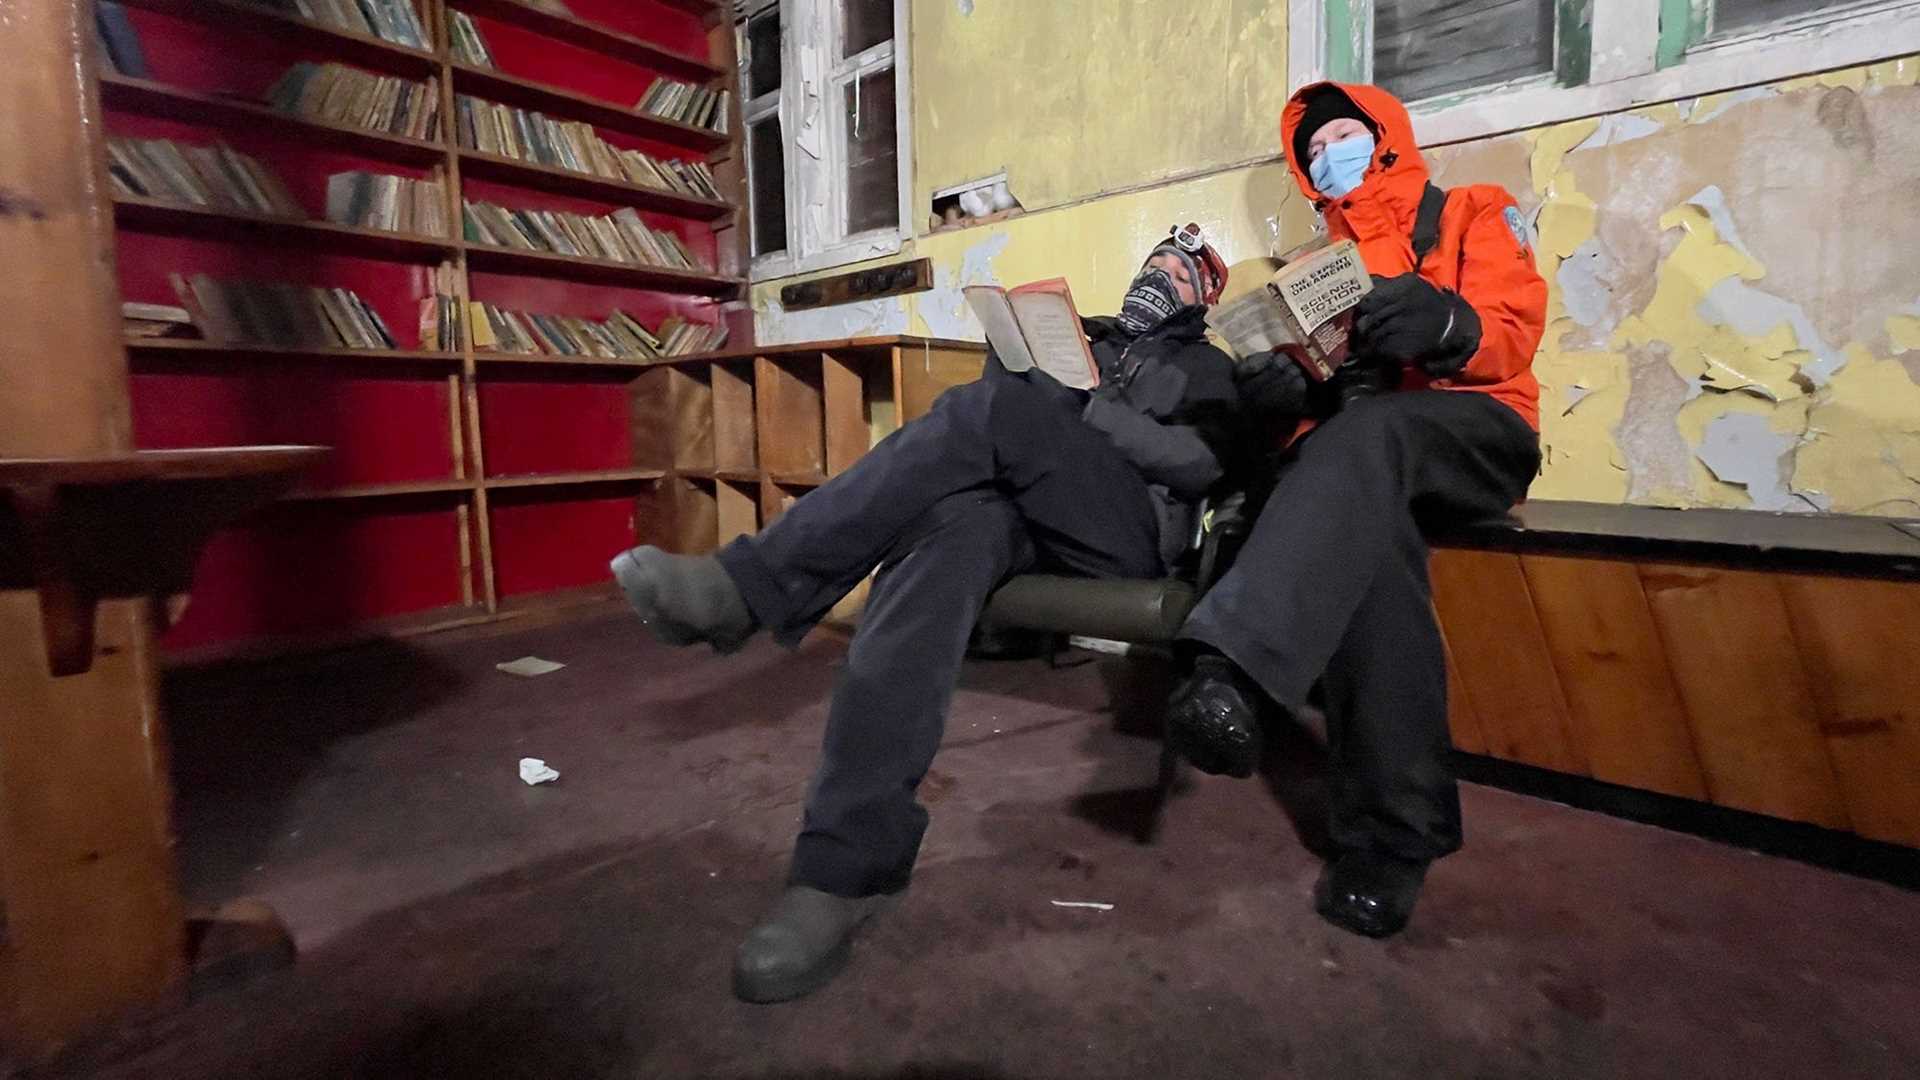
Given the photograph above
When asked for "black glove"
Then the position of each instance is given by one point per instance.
(1362, 376)
(1271, 384)
(1408, 320)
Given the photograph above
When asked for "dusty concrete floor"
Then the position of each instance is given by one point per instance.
(455, 922)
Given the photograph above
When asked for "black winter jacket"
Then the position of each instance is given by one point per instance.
(1167, 401)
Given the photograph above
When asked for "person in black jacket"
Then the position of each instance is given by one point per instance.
(1012, 473)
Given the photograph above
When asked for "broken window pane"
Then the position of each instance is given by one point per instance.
(1424, 48)
(763, 52)
(1732, 16)
(873, 166)
(767, 173)
(864, 24)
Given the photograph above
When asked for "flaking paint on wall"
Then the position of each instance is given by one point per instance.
(773, 324)
(1731, 321)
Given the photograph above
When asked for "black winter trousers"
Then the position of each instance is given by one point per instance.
(1000, 476)
(1332, 586)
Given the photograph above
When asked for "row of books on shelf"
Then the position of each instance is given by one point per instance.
(279, 314)
(372, 200)
(685, 103)
(469, 47)
(617, 237)
(222, 178)
(340, 94)
(493, 128)
(388, 20)
(216, 176)
(397, 21)
(619, 337)
(232, 312)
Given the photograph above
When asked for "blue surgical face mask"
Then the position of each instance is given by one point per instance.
(1342, 166)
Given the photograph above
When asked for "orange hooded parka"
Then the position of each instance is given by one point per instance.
(1483, 253)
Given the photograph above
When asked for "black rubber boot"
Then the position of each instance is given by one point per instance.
(685, 599)
(801, 944)
(1368, 893)
(1213, 718)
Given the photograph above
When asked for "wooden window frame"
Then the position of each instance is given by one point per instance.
(1617, 60)
(813, 125)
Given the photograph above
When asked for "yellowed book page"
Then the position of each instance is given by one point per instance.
(1251, 324)
(990, 306)
(1055, 337)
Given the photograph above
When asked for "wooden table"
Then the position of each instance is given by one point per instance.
(95, 921)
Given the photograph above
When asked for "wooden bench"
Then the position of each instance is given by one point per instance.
(1763, 662)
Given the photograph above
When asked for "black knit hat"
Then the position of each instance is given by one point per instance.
(1325, 104)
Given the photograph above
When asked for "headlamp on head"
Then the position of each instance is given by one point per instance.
(1188, 239)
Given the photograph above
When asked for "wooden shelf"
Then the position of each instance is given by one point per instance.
(593, 36)
(486, 258)
(373, 52)
(196, 347)
(567, 105)
(807, 479)
(505, 170)
(149, 98)
(814, 348)
(732, 476)
(490, 358)
(174, 219)
(383, 491)
(575, 479)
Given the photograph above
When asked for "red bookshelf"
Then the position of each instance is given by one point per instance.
(464, 484)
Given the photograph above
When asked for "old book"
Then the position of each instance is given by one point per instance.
(327, 309)
(131, 172)
(469, 46)
(207, 306)
(431, 310)
(183, 292)
(121, 41)
(1305, 310)
(262, 185)
(483, 336)
(183, 183)
(1036, 325)
(154, 320)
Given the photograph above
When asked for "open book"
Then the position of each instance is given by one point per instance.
(1036, 325)
(1306, 310)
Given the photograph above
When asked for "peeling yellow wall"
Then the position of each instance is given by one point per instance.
(1735, 312)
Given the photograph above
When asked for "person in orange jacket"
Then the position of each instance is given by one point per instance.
(1435, 415)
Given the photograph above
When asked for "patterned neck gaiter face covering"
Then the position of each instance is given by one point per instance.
(1150, 301)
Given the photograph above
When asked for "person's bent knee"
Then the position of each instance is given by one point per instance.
(1369, 429)
(975, 520)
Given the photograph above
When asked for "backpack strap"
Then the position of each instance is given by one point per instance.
(1426, 226)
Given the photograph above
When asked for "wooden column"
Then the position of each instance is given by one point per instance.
(60, 359)
(93, 913)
